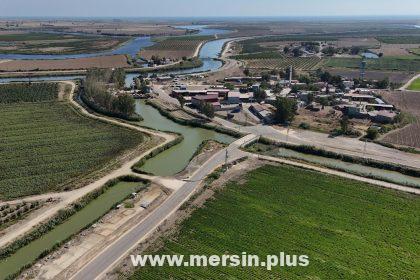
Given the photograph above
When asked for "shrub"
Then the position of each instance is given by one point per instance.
(372, 133)
(304, 125)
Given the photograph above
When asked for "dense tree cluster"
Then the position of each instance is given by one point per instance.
(207, 109)
(285, 110)
(141, 84)
(98, 93)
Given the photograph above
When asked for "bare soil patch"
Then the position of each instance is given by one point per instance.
(394, 76)
(404, 100)
(360, 42)
(410, 135)
(114, 61)
(395, 49)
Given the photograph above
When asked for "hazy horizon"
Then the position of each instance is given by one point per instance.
(209, 9)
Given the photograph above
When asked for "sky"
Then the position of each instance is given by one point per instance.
(206, 8)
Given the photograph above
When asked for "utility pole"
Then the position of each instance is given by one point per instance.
(363, 69)
(290, 75)
(364, 149)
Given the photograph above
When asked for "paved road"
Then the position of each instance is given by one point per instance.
(111, 255)
(342, 145)
(339, 173)
(105, 260)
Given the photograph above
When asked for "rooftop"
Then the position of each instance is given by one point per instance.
(206, 97)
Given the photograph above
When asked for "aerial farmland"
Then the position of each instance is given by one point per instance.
(209, 140)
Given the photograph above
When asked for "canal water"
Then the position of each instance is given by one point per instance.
(132, 47)
(204, 30)
(166, 163)
(208, 54)
(73, 225)
(176, 158)
(370, 55)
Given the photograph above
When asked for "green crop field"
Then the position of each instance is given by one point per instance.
(48, 43)
(415, 85)
(276, 60)
(301, 63)
(402, 63)
(174, 47)
(412, 39)
(12, 93)
(46, 145)
(415, 51)
(251, 46)
(261, 55)
(349, 230)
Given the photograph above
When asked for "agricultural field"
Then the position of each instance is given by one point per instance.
(46, 145)
(398, 63)
(393, 76)
(313, 29)
(260, 55)
(415, 85)
(335, 221)
(276, 60)
(408, 136)
(22, 92)
(357, 41)
(395, 49)
(299, 63)
(10, 214)
(174, 48)
(253, 46)
(105, 27)
(111, 61)
(408, 102)
(48, 43)
(413, 39)
(415, 51)
(279, 42)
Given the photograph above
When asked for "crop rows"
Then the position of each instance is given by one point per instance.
(176, 45)
(399, 39)
(332, 220)
(33, 43)
(386, 63)
(408, 136)
(301, 63)
(24, 92)
(10, 214)
(45, 145)
(175, 48)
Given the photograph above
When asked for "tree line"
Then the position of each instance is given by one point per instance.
(99, 93)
